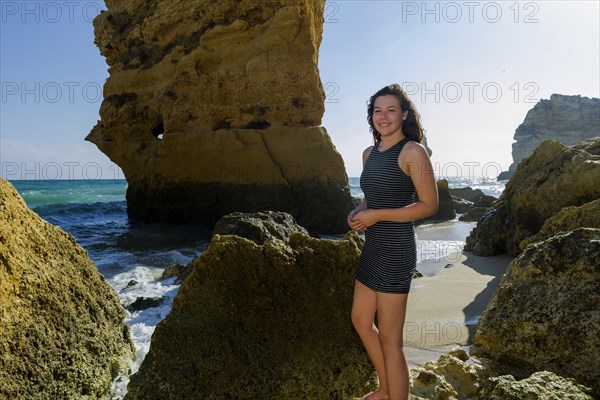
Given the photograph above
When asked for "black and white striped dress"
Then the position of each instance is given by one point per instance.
(389, 256)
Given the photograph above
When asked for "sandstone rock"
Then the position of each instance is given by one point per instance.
(467, 193)
(446, 204)
(591, 145)
(132, 283)
(215, 107)
(178, 270)
(429, 385)
(484, 201)
(478, 209)
(540, 385)
(545, 313)
(62, 334)
(553, 177)
(172, 270)
(267, 321)
(567, 219)
(259, 227)
(143, 303)
(472, 203)
(474, 214)
(456, 375)
(461, 206)
(567, 119)
(463, 375)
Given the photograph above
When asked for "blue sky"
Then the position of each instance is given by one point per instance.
(473, 70)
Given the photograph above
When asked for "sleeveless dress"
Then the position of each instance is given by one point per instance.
(389, 256)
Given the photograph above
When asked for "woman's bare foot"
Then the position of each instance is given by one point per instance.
(378, 394)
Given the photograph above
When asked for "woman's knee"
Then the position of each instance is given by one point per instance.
(390, 340)
(361, 321)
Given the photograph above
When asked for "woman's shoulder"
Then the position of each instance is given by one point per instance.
(414, 148)
(412, 152)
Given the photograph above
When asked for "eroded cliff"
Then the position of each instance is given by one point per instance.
(215, 107)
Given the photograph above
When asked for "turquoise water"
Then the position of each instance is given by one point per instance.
(95, 213)
(43, 193)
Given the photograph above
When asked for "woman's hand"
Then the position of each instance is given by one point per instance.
(355, 225)
(361, 220)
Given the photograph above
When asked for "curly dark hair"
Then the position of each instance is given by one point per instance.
(411, 127)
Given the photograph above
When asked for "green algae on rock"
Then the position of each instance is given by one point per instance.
(62, 331)
(267, 321)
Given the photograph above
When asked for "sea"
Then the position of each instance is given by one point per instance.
(132, 255)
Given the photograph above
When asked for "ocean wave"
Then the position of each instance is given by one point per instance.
(43, 193)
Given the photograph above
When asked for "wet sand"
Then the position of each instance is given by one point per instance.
(446, 303)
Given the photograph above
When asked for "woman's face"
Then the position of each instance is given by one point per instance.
(388, 116)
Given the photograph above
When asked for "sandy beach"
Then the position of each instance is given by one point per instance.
(445, 304)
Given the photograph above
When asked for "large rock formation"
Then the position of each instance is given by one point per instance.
(553, 177)
(62, 334)
(265, 321)
(215, 107)
(567, 119)
(545, 314)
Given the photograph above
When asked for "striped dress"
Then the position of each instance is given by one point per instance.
(389, 256)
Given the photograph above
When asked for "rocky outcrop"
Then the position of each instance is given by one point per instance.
(456, 375)
(62, 334)
(545, 313)
(540, 385)
(267, 321)
(259, 227)
(553, 177)
(473, 204)
(446, 205)
(567, 119)
(215, 107)
(453, 375)
(461, 206)
(567, 219)
(467, 193)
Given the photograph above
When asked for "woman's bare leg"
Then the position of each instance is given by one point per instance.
(364, 307)
(391, 312)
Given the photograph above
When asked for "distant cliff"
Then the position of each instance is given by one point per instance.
(567, 119)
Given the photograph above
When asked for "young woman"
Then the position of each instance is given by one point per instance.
(394, 169)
